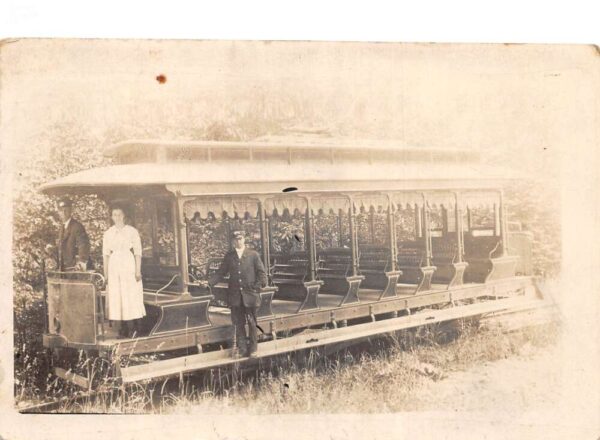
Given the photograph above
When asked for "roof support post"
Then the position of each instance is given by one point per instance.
(340, 230)
(497, 231)
(372, 226)
(503, 228)
(265, 236)
(353, 237)
(444, 220)
(469, 219)
(187, 238)
(459, 229)
(426, 234)
(227, 223)
(310, 240)
(153, 208)
(182, 235)
(269, 235)
(391, 220)
(418, 223)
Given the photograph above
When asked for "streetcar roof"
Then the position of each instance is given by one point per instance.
(252, 177)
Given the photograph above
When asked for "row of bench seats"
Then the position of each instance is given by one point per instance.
(290, 272)
(334, 269)
(411, 261)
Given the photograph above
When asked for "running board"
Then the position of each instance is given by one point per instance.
(73, 378)
(187, 364)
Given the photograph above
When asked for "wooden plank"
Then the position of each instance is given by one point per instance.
(73, 378)
(187, 364)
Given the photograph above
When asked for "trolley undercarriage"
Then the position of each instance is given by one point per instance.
(370, 317)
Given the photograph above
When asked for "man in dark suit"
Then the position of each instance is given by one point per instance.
(246, 277)
(73, 241)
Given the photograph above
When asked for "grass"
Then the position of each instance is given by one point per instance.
(380, 375)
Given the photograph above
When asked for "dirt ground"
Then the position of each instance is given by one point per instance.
(530, 381)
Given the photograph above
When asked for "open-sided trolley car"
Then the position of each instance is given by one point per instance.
(356, 238)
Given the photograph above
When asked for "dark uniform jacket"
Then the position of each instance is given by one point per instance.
(74, 245)
(246, 277)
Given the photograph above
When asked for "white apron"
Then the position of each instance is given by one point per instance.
(125, 296)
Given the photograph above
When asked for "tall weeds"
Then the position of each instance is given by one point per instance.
(380, 375)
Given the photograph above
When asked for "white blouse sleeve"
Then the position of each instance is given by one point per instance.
(136, 242)
(106, 243)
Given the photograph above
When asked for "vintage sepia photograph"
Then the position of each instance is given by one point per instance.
(277, 228)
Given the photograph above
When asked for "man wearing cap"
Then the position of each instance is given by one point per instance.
(73, 242)
(246, 277)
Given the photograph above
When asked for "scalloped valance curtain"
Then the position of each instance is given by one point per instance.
(479, 199)
(232, 207)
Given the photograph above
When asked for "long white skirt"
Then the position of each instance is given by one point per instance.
(125, 294)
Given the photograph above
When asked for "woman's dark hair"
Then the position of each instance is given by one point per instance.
(121, 207)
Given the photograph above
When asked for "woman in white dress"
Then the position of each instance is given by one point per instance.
(122, 251)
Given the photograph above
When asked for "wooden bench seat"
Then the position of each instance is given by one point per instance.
(289, 273)
(161, 278)
(445, 255)
(412, 262)
(373, 264)
(163, 317)
(335, 270)
(486, 262)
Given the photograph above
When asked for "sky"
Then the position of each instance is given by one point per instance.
(525, 98)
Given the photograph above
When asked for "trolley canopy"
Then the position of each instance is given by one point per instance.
(223, 168)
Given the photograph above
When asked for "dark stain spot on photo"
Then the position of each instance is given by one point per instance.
(161, 79)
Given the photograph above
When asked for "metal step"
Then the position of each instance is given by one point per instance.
(203, 361)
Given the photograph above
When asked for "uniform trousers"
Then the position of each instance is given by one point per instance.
(240, 316)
